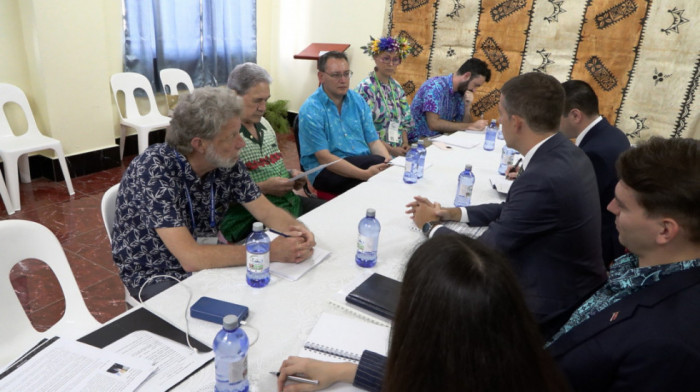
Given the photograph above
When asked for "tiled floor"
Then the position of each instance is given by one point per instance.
(77, 222)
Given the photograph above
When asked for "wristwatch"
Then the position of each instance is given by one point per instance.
(428, 227)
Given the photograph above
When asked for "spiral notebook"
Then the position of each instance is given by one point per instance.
(338, 338)
(338, 300)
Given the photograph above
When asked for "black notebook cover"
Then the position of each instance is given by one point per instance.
(140, 319)
(378, 294)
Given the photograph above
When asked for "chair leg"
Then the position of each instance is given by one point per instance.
(24, 174)
(64, 169)
(12, 180)
(143, 139)
(6, 196)
(122, 137)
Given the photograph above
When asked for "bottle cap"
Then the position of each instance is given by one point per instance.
(468, 166)
(371, 212)
(258, 226)
(414, 145)
(421, 142)
(230, 322)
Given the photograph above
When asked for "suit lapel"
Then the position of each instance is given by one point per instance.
(625, 309)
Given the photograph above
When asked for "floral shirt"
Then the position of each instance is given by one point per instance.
(435, 96)
(153, 194)
(344, 134)
(388, 103)
(626, 277)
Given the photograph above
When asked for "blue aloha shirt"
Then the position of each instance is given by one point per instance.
(321, 127)
(626, 278)
(151, 195)
(435, 96)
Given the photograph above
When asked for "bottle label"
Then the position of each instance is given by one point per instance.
(238, 371)
(507, 158)
(366, 244)
(465, 189)
(257, 262)
(409, 166)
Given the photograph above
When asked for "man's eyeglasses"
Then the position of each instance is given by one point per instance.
(340, 75)
(389, 60)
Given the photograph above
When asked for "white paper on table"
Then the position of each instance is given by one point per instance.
(175, 361)
(315, 169)
(401, 162)
(68, 365)
(452, 141)
(500, 184)
(294, 271)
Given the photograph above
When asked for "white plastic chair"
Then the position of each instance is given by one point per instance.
(172, 78)
(18, 241)
(109, 205)
(14, 149)
(6, 196)
(128, 83)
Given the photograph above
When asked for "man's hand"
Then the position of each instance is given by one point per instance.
(299, 182)
(468, 98)
(423, 210)
(295, 248)
(327, 373)
(276, 186)
(374, 169)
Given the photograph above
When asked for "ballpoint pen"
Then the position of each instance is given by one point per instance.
(279, 233)
(514, 168)
(297, 378)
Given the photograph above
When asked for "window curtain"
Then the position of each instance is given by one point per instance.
(205, 38)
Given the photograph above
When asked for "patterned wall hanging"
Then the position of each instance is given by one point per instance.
(642, 57)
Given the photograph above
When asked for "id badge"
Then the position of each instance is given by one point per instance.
(393, 132)
(207, 240)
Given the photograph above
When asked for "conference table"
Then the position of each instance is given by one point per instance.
(284, 312)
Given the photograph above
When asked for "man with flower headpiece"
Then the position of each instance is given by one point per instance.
(443, 103)
(385, 96)
(335, 126)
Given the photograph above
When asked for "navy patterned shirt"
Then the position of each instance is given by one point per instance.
(626, 278)
(152, 195)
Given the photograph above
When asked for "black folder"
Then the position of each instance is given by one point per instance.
(140, 319)
(377, 294)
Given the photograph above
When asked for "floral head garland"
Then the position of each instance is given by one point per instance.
(387, 44)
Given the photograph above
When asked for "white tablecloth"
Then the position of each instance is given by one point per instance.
(284, 312)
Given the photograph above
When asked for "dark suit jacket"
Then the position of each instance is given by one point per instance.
(603, 144)
(549, 227)
(652, 344)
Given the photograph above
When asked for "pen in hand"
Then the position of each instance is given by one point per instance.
(279, 233)
(514, 169)
(297, 378)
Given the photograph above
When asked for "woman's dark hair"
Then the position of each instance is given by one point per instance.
(462, 325)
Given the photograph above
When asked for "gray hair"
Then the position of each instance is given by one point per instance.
(247, 75)
(201, 114)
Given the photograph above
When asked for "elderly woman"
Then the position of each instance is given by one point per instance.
(385, 96)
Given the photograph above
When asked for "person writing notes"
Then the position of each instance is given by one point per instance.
(172, 197)
(385, 96)
(461, 325)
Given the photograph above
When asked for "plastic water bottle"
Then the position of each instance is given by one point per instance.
(410, 174)
(231, 357)
(500, 132)
(507, 155)
(422, 151)
(257, 254)
(490, 140)
(368, 240)
(465, 186)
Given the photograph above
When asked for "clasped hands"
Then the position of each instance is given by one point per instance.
(423, 210)
(295, 248)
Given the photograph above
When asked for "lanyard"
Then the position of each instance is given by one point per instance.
(392, 105)
(212, 220)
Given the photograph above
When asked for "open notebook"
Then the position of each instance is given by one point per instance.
(338, 338)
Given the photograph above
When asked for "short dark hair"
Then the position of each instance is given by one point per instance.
(462, 324)
(321, 66)
(536, 97)
(580, 95)
(476, 67)
(665, 175)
